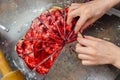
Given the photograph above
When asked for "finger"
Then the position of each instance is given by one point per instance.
(92, 38)
(86, 42)
(75, 4)
(84, 50)
(85, 57)
(78, 39)
(72, 8)
(72, 15)
(89, 22)
(88, 62)
(79, 35)
(80, 23)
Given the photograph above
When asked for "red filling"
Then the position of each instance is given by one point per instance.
(48, 34)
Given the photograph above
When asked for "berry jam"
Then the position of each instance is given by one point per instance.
(47, 35)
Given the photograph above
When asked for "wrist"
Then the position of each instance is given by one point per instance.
(117, 65)
(111, 3)
(116, 59)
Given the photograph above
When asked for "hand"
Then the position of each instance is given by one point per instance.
(88, 12)
(94, 51)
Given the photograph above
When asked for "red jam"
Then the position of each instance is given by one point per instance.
(48, 33)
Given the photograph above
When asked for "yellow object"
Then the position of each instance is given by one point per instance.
(7, 72)
(14, 75)
(4, 66)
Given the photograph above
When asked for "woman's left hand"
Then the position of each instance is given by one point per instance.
(94, 51)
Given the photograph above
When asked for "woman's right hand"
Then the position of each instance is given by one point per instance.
(95, 51)
(88, 12)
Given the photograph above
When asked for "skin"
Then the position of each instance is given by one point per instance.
(89, 12)
(94, 51)
(91, 50)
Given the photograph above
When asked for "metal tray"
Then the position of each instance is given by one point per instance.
(16, 15)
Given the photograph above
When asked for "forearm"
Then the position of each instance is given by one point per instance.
(116, 61)
(109, 3)
(112, 3)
